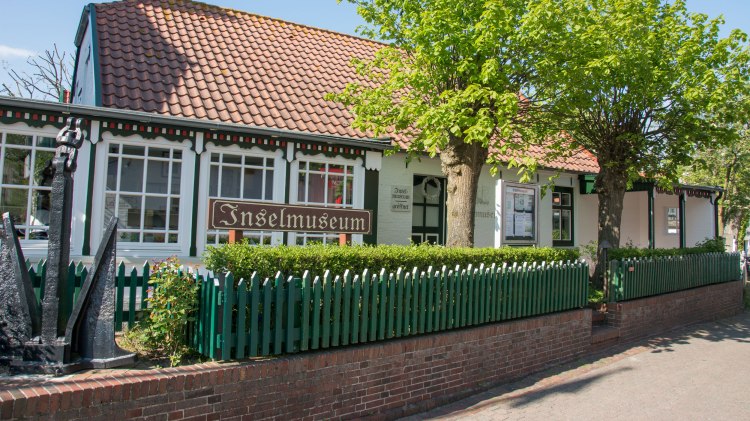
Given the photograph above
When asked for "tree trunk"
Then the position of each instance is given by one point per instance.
(462, 163)
(610, 186)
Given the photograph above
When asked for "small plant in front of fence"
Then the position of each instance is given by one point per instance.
(172, 303)
(596, 296)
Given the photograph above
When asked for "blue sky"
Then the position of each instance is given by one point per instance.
(31, 26)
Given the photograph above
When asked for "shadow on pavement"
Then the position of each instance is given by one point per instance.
(733, 329)
(526, 398)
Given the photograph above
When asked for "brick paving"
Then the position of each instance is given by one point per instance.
(701, 372)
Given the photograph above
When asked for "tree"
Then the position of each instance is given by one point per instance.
(726, 166)
(641, 84)
(449, 83)
(49, 77)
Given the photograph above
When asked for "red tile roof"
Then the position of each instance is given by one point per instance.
(189, 59)
(577, 160)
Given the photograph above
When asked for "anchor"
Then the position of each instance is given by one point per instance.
(46, 337)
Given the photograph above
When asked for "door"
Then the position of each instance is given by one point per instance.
(428, 210)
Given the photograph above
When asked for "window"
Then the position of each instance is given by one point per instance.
(519, 214)
(324, 184)
(143, 190)
(246, 177)
(25, 188)
(673, 220)
(562, 217)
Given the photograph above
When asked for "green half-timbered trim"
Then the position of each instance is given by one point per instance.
(146, 131)
(35, 118)
(223, 138)
(331, 151)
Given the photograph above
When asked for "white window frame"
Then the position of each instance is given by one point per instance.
(277, 196)
(184, 224)
(503, 211)
(358, 184)
(38, 248)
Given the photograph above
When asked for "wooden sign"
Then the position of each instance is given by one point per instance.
(256, 216)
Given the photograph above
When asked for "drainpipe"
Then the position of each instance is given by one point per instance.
(651, 234)
(682, 220)
(716, 213)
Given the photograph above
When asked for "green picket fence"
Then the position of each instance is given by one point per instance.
(258, 317)
(644, 277)
(131, 290)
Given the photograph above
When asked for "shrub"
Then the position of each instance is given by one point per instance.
(596, 296)
(243, 259)
(172, 304)
(715, 245)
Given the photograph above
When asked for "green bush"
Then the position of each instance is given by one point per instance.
(715, 245)
(172, 304)
(243, 259)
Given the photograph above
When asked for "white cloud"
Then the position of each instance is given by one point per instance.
(7, 52)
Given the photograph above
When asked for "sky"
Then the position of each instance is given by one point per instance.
(33, 26)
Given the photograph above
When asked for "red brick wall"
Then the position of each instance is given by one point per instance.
(384, 380)
(652, 315)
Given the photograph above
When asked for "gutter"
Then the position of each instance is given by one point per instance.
(193, 123)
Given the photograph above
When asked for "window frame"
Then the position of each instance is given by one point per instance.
(535, 215)
(30, 187)
(358, 186)
(668, 219)
(570, 191)
(278, 189)
(38, 247)
(184, 219)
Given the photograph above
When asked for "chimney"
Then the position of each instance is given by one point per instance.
(66, 97)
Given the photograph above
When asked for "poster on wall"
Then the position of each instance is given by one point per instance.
(520, 214)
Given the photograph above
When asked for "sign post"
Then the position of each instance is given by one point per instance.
(235, 236)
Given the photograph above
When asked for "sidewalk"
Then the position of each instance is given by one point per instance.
(701, 372)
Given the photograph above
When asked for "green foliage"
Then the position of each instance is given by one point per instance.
(596, 296)
(452, 70)
(243, 259)
(725, 165)
(707, 246)
(588, 251)
(644, 83)
(172, 304)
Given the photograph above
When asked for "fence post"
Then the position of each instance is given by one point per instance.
(227, 337)
(291, 305)
(241, 319)
(278, 314)
(254, 314)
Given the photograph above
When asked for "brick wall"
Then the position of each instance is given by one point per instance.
(652, 315)
(381, 381)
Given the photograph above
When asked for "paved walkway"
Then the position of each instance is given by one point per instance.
(701, 372)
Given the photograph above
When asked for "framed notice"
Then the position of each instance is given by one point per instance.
(519, 213)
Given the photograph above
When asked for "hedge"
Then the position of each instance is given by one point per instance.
(243, 259)
(708, 246)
